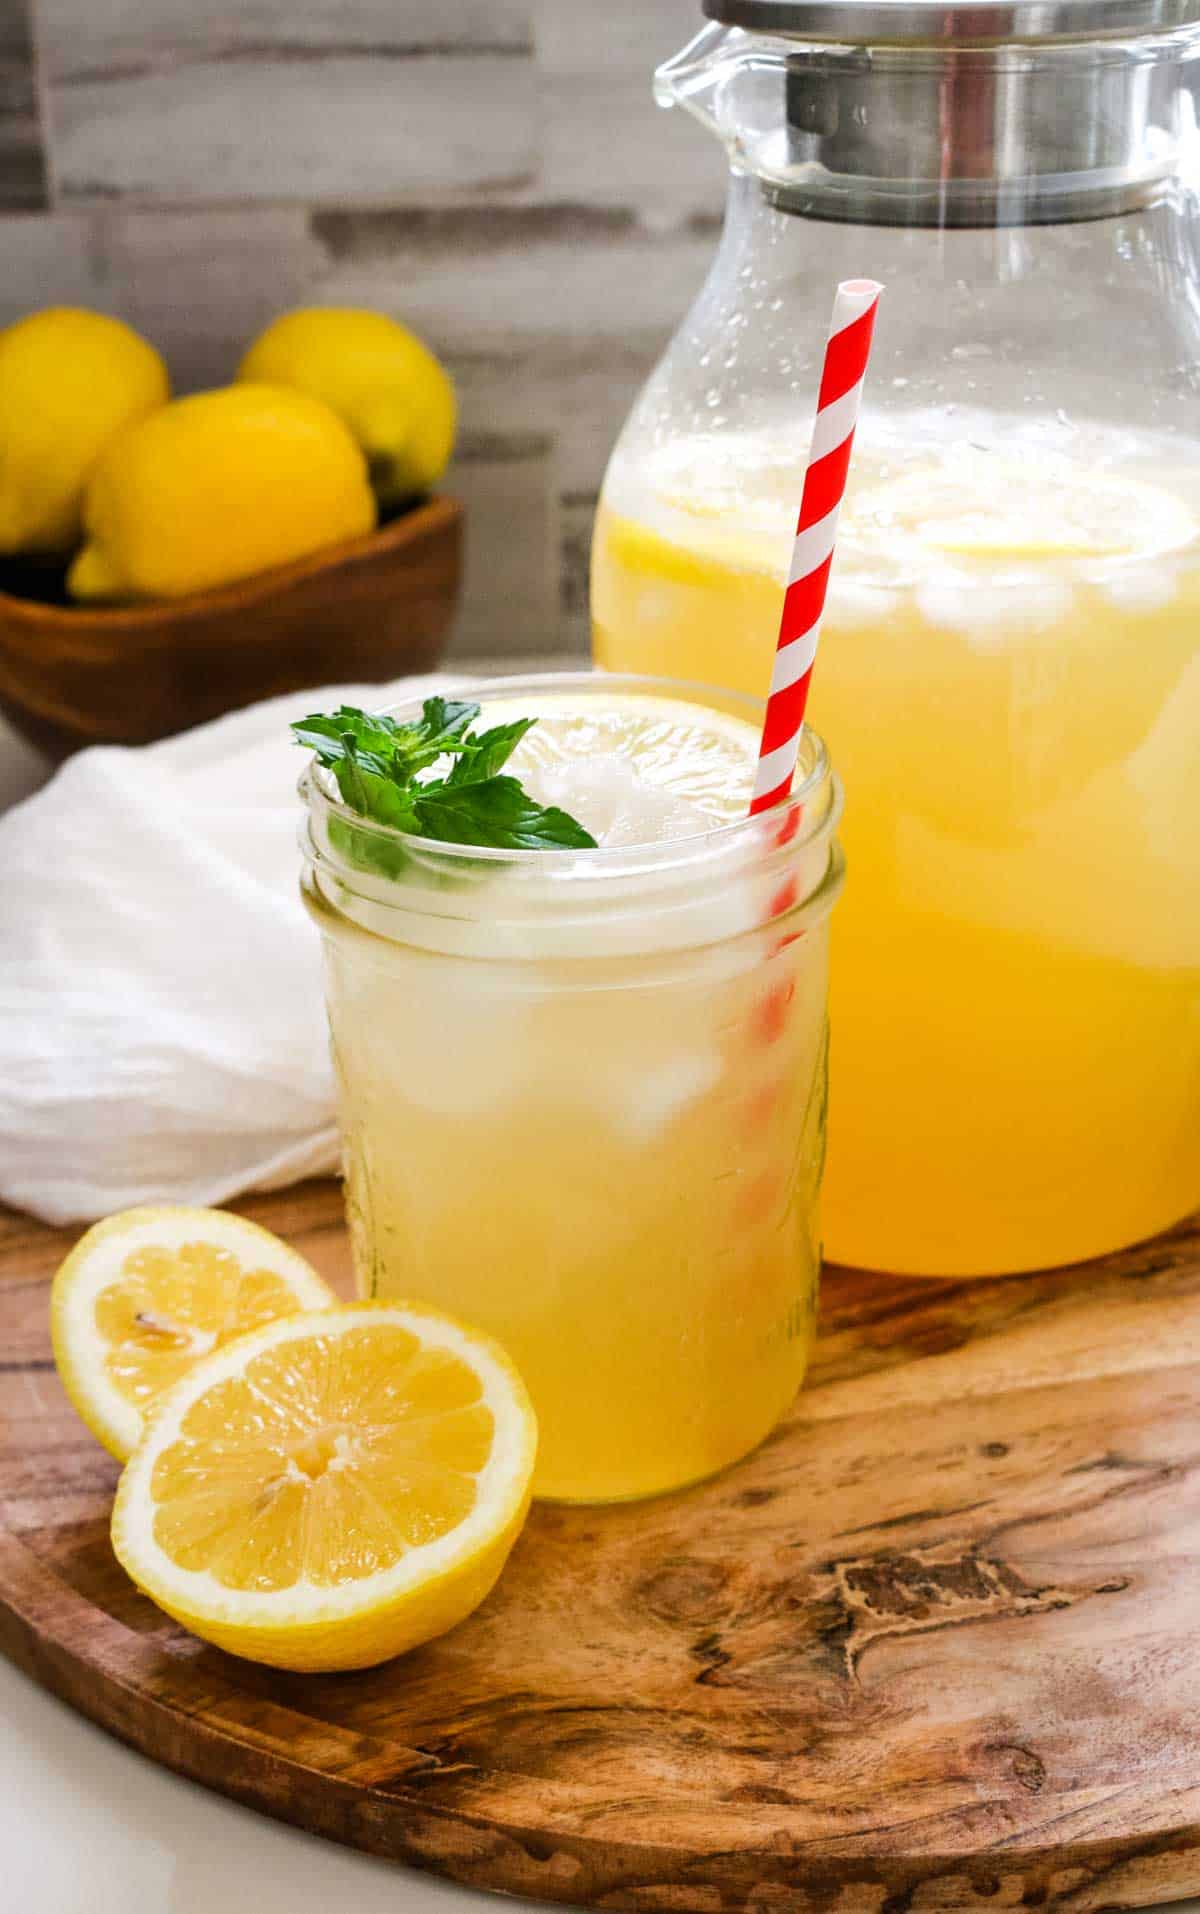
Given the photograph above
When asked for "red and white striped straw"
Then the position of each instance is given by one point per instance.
(842, 377)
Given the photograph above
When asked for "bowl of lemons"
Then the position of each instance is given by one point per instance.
(164, 560)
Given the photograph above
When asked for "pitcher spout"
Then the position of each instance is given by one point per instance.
(703, 76)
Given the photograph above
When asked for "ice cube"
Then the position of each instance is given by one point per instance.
(1143, 587)
(640, 1103)
(1009, 605)
(614, 803)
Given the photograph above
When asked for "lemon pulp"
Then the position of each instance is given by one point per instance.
(169, 1307)
(324, 1461)
(149, 1293)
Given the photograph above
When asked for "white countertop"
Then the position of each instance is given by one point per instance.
(89, 1827)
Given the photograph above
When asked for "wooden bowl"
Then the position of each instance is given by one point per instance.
(373, 609)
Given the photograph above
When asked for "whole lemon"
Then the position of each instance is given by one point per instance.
(69, 380)
(217, 486)
(394, 395)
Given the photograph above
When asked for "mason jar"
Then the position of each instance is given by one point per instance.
(1009, 672)
(582, 1102)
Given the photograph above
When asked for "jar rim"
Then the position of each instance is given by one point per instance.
(792, 821)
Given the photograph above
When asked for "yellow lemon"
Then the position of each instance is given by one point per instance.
(331, 1489)
(143, 1296)
(396, 398)
(69, 381)
(215, 487)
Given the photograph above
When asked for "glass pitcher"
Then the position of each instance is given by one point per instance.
(1009, 674)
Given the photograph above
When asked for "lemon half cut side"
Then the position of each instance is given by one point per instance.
(332, 1489)
(148, 1292)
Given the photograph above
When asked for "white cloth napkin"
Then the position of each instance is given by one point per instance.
(162, 1029)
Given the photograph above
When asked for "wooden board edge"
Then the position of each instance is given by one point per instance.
(372, 1805)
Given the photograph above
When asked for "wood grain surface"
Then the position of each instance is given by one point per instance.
(934, 1646)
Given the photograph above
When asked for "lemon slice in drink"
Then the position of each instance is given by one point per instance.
(143, 1296)
(987, 506)
(633, 767)
(332, 1489)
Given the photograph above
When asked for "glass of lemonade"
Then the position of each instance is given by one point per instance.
(582, 1093)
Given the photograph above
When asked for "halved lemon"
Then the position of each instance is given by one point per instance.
(332, 1489)
(145, 1294)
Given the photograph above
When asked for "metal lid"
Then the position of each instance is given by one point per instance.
(937, 22)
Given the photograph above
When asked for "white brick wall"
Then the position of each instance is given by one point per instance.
(493, 171)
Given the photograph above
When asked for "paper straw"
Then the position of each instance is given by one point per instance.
(842, 377)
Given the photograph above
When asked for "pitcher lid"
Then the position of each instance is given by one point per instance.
(933, 22)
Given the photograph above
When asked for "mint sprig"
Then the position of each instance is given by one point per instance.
(377, 762)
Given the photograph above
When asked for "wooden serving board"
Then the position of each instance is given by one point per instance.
(935, 1646)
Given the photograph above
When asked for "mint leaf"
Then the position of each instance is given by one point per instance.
(498, 813)
(375, 762)
(332, 736)
(389, 749)
(484, 755)
(336, 749)
(366, 850)
(443, 722)
(373, 796)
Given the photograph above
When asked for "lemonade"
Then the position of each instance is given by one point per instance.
(1009, 680)
(582, 1093)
